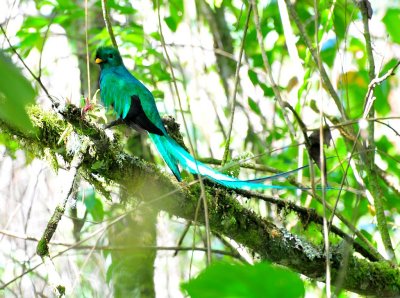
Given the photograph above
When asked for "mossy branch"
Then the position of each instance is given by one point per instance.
(107, 160)
(42, 248)
(366, 13)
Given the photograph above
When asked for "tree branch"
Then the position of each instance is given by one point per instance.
(227, 216)
(233, 102)
(268, 68)
(107, 21)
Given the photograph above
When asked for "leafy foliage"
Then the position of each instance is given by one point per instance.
(233, 280)
(16, 93)
(203, 39)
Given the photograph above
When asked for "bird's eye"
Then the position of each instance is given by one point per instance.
(110, 55)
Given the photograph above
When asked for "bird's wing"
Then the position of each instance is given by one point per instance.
(115, 92)
(137, 117)
(119, 87)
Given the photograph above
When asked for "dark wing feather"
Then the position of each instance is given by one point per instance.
(137, 118)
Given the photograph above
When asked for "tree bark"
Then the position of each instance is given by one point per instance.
(227, 216)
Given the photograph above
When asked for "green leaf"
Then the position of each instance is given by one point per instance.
(93, 204)
(158, 94)
(10, 143)
(36, 22)
(254, 106)
(341, 17)
(155, 35)
(134, 35)
(253, 77)
(367, 235)
(171, 23)
(260, 280)
(304, 86)
(354, 84)
(60, 19)
(385, 145)
(66, 5)
(176, 10)
(109, 273)
(389, 153)
(158, 72)
(268, 91)
(123, 8)
(390, 64)
(41, 3)
(218, 3)
(97, 165)
(392, 21)
(15, 94)
(357, 47)
(328, 51)
(381, 93)
(29, 41)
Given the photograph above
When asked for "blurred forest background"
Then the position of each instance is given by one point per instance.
(265, 75)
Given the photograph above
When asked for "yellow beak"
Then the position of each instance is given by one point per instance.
(98, 60)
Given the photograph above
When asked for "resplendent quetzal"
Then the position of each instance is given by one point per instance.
(135, 106)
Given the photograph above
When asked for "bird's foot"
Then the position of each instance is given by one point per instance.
(113, 123)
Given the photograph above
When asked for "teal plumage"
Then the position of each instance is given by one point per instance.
(162, 145)
(135, 106)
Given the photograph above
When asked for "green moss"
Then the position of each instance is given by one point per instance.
(51, 158)
(98, 185)
(60, 209)
(228, 222)
(374, 276)
(51, 126)
(61, 290)
(42, 249)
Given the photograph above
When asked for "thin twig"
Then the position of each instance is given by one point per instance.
(346, 222)
(377, 81)
(46, 34)
(35, 77)
(384, 176)
(87, 49)
(325, 78)
(268, 68)
(337, 124)
(81, 267)
(196, 213)
(42, 247)
(233, 102)
(389, 126)
(119, 248)
(325, 225)
(183, 235)
(203, 192)
(5, 285)
(369, 111)
(107, 21)
(376, 193)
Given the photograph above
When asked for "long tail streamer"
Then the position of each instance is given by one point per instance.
(174, 154)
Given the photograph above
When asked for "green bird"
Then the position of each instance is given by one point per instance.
(135, 106)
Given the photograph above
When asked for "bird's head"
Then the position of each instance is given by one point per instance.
(108, 57)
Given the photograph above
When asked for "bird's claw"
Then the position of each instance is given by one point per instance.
(113, 123)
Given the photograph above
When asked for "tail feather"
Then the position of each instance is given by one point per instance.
(168, 156)
(173, 154)
(276, 176)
